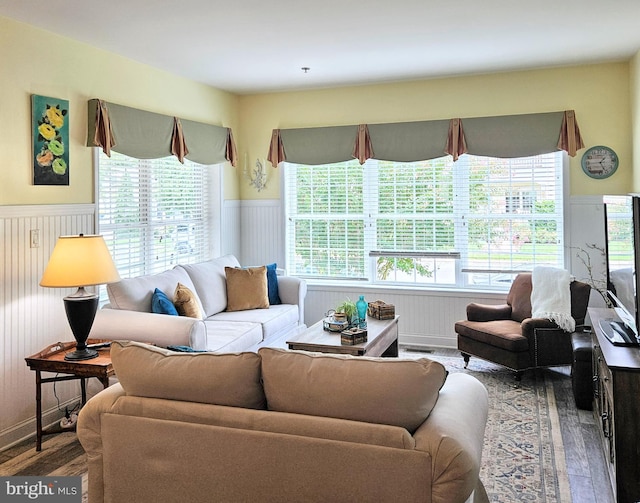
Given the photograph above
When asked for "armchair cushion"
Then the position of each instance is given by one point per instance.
(505, 334)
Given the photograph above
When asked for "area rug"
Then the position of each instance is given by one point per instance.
(523, 456)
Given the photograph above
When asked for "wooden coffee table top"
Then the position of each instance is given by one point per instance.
(382, 338)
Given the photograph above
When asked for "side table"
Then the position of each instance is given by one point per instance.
(51, 359)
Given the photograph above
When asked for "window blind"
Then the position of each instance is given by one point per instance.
(153, 213)
(475, 221)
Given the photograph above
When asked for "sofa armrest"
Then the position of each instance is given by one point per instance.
(486, 312)
(160, 329)
(89, 433)
(453, 435)
(293, 290)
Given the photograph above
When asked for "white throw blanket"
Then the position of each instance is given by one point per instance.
(551, 296)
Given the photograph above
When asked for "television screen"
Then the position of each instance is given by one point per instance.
(622, 220)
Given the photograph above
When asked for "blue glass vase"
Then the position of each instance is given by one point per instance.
(361, 306)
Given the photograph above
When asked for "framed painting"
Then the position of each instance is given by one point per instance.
(50, 131)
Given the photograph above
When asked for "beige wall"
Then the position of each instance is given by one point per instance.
(33, 61)
(599, 94)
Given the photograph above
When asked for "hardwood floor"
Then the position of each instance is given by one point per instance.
(586, 465)
(63, 455)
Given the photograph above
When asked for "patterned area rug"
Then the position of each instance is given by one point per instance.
(523, 457)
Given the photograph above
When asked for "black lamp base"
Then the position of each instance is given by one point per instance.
(81, 310)
(84, 354)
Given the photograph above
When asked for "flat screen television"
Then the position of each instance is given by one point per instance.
(622, 250)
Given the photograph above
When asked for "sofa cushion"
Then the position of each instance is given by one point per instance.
(232, 336)
(210, 282)
(162, 304)
(134, 294)
(275, 320)
(246, 288)
(231, 379)
(376, 390)
(186, 302)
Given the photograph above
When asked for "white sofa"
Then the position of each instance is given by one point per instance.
(128, 315)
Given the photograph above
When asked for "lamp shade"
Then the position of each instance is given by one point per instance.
(78, 261)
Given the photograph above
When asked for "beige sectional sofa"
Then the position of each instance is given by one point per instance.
(128, 315)
(282, 426)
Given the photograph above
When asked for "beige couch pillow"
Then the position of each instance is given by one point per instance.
(247, 288)
(186, 302)
(222, 379)
(377, 390)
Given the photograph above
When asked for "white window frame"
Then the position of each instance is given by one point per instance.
(211, 218)
(461, 275)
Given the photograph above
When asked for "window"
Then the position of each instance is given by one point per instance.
(476, 221)
(154, 213)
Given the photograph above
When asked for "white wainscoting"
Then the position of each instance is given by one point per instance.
(32, 317)
(426, 317)
(230, 229)
(261, 232)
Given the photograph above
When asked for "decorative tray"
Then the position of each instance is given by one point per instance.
(331, 325)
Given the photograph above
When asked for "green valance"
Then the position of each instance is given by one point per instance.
(500, 136)
(323, 145)
(148, 135)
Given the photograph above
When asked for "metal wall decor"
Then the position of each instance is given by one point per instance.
(257, 176)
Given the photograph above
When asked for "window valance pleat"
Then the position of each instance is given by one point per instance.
(148, 135)
(505, 136)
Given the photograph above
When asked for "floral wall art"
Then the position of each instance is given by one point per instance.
(50, 123)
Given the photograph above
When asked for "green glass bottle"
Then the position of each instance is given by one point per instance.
(361, 306)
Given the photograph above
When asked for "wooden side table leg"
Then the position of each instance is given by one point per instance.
(83, 388)
(38, 411)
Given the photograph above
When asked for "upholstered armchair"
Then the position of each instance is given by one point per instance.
(508, 335)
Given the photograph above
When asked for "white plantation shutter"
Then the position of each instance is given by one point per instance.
(514, 216)
(153, 213)
(476, 221)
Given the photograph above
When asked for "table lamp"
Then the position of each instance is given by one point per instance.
(80, 261)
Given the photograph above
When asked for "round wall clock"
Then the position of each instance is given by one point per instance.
(599, 162)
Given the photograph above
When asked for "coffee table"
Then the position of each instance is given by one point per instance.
(382, 340)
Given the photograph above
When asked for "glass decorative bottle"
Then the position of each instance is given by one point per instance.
(361, 306)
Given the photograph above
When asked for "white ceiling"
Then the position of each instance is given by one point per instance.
(255, 46)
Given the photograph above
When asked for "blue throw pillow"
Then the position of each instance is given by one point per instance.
(272, 284)
(161, 304)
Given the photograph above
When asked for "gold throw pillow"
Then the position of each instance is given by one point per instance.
(247, 288)
(186, 302)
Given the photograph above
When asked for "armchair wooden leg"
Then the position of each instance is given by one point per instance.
(466, 359)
